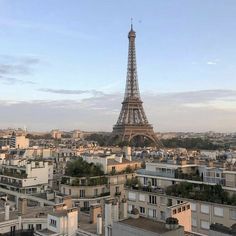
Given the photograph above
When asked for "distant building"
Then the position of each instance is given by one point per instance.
(56, 134)
(221, 230)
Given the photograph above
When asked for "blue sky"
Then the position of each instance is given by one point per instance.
(75, 52)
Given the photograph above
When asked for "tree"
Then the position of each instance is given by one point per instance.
(80, 168)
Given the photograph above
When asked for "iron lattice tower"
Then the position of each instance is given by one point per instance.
(132, 120)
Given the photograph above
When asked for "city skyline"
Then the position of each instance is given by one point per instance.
(67, 69)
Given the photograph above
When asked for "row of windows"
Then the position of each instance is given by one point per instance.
(82, 192)
(180, 209)
(218, 211)
(204, 224)
(150, 212)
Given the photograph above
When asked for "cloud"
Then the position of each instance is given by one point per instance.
(10, 81)
(203, 111)
(211, 63)
(71, 91)
(12, 67)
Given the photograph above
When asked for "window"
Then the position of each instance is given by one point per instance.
(131, 196)
(217, 175)
(194, 222)
(154, 182)
(152, 213)
(95, 192)
(13, 228)
(53, 222)
(174, 211)
(69, 191)
(141, 197)
(82, 193)
(30, 226)
(117, 189)
(38, 226)
(163, 215)
(193, 206)
(233, 214)
(86, 204)
(218, 211)
(152, 199)
(204, 209)
(142, 210)
(169, 203)
(179, 210)
(145, 181)
(130, 208)
(205, 224)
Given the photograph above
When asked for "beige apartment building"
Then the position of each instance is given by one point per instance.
(157, 205)
(90, 190)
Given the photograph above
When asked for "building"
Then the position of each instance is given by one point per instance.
(146, 227)
(56, 134)
(113, 163)
(95, 189)
(25, 176)
(221, 230)
(61, 221)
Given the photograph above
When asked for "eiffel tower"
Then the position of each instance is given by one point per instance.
(132, 121)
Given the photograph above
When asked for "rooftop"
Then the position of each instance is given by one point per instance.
(147, 224)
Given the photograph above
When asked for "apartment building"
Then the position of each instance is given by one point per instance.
(90, 190)
(159, 206)
(25, 176)
(113, 163)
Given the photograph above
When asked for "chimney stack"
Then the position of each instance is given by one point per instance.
(108, 215)
(7, 211)
(124, 209)
(99, 224)
(115, 211)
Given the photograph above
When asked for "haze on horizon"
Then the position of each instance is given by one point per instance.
(63, 65)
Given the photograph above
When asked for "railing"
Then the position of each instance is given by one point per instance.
(154, 173)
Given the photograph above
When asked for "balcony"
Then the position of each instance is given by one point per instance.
(154, 173)
(6, 181)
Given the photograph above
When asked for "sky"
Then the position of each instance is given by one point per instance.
(63, 63)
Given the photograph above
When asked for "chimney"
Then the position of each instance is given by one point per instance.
(95, 210)
(22, 205)
(99, 224)
(172, 223)
(127, 151)
(7, 211)
(115, 211)
(32, 164)
(20, 221)
(67, 200)
(108, 216)
(124, 208)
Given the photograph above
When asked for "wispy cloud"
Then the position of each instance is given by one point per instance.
(207, 110)
(72, 91)
(10, 81)
(11, 67)
(211, 63)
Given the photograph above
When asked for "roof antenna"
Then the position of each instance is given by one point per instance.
(131, 23)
